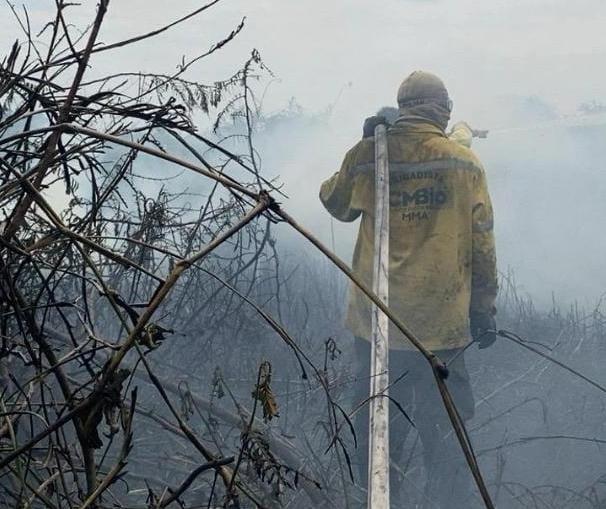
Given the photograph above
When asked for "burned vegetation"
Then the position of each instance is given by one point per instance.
(109, 257)
(159, 350)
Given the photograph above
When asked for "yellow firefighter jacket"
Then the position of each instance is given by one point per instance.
(442, 263)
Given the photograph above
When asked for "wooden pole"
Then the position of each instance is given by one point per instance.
(378, 453)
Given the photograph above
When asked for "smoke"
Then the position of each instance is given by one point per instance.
(519, 68)
(545, 173)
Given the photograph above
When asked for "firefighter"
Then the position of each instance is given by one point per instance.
(442, 274)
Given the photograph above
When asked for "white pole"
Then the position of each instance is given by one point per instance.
(378, 453)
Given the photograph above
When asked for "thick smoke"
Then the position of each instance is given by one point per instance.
(545, 173)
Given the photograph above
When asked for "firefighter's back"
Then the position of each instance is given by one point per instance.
(432, 182)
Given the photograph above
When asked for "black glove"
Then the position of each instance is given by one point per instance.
(483, 329)
(368, 131)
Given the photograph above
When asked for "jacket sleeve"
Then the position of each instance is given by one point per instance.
(484, 265)
(336, 193)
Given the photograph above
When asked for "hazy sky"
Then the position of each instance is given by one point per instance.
(552, 48)
(548, 188)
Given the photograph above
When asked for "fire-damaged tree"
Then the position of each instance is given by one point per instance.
(98, 231)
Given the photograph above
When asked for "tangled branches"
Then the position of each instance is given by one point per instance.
(93, 244)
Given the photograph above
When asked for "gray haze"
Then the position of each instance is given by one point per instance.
(521, 64)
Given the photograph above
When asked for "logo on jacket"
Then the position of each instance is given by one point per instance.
(418, 205)
(428, 197)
